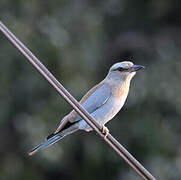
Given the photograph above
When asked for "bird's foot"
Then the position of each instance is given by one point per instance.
(105, 131)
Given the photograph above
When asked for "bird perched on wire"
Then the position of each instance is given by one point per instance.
(103, 102)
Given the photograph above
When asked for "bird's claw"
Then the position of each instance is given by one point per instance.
(105, 131)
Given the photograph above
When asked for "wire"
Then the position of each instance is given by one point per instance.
(115, 145)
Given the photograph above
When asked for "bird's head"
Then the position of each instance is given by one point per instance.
(124, 70)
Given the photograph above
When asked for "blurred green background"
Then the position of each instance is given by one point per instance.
(78, 41)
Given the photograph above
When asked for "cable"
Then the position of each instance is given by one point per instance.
(115, 145)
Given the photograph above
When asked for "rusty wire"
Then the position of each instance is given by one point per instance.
(76, 105)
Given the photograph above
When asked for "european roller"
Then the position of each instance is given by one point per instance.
(103, 102)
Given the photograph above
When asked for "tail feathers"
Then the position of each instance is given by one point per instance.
(53, 139)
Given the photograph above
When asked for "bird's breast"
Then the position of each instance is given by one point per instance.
(121, 92)
(115, 102)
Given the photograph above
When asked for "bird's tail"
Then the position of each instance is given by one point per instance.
(53, 139)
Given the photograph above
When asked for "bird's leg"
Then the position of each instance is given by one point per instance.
(105, 131)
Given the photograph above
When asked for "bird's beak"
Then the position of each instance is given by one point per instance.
(136, 67)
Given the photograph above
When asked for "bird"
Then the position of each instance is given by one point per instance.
(103, 102)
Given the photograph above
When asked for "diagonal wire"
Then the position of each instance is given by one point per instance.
(76, 105)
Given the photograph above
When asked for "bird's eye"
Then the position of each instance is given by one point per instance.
(122, 69)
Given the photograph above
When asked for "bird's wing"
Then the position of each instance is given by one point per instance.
(92, 100)
(96, 97)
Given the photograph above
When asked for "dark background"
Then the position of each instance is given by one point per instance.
(78, 41)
